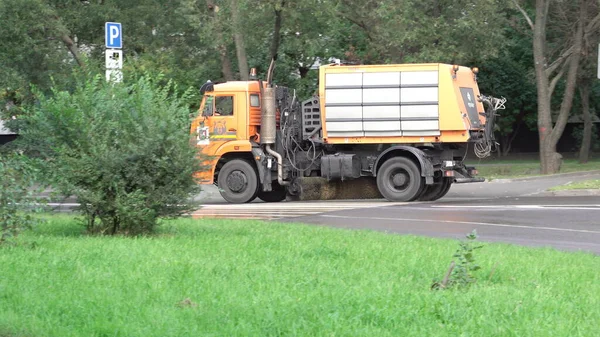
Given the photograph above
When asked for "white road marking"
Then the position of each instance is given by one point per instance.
(281, 210)
(466, 222)
(525, 207)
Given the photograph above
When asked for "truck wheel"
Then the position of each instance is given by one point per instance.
(436, 191)
(238, 182)
(399, 179)
(277, 194)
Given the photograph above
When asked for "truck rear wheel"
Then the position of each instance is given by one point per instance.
(399, 179)
(277, 194)
(238, 182)
(436, 191)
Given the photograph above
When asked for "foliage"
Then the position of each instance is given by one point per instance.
(16, 195)
(123, 151)
(460, 273)
(577, 134)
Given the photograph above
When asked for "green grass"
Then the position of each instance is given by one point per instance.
(251, 278)
(592, 184)
(499, 169)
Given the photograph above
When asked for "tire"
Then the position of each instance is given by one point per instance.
(276, 195)
(399, 179)
(436, 191)
(446, 188)
(238, 182)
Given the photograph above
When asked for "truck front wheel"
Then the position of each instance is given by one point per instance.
(238, 182)
(399, 179)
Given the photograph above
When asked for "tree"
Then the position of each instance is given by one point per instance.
(556, 56)
(238, 36)
(511, 75)
(585, 81)
(427, 31)
(123, 151)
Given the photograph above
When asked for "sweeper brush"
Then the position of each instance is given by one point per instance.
(317, 188)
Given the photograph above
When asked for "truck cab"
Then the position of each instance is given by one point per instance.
(228, 119)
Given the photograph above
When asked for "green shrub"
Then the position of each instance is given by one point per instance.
(122, 150)
(460, 273)
(17, 178)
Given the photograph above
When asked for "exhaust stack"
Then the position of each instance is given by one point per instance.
(268, 126)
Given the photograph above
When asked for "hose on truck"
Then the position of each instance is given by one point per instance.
(484, 147)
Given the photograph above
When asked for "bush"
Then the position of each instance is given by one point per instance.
(17, 178)
(122, 150)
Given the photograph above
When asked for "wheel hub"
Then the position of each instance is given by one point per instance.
(399, 179)
(237, 181)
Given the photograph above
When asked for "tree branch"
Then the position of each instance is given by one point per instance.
(592, 26)
(571, 82)
(361, 25)
(556, 78)
(561, 60)
(524, 14)
(66, 39)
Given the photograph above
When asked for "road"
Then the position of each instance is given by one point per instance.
(512, 211)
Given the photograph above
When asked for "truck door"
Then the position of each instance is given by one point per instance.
(218, 124)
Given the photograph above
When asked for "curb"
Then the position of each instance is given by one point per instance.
(559, 175)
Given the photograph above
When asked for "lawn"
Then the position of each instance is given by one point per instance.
(251, 278)
(499, 169)
(592, 184)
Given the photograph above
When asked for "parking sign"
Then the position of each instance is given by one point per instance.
(113, 35)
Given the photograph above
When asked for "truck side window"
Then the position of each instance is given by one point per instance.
(254, 100)
(208, 106)
(224, 106)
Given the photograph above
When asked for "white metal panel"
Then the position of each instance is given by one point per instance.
(421, 133)
(348, 112)
(418, 95)
(343, 80)
(382, 126)
(383, 133)
(388, 78)
(420, 125)
(345, 134)
(344, 126)
(412, 111)
(344, 96)
(420, 78)
(381, 95)
(389, 111)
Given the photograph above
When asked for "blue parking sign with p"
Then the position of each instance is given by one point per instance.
(113, 35)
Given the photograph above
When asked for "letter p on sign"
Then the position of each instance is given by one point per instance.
(113, 35)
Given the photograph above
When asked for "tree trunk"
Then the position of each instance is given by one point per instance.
(586, 141)
(549, 134)
(240, 45)
(542, 83)
(226, 68)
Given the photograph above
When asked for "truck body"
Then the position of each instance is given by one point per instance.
(406, 127)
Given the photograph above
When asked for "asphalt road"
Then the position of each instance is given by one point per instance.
(512, 211)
